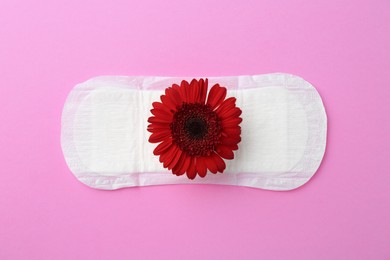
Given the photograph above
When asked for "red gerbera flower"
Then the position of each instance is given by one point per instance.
(195, 135)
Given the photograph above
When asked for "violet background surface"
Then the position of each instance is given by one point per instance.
(341, 47)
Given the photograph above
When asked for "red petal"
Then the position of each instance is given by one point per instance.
(153, 128)
(174, 96)
(227, 113)
(162, 147)
(169, 153)
(216, 96)
(159, 137)
(186, 164)
(168, 102)
(231, 122)
(219, 162)
(184, 85)
(180, 92)
(194, 90)
(190, 90)
(159, 125)
(232, 131)
(201, 167)
(191, 171)
(159, 130)
(161, 106)
(176, 171)
(234, 147)
(211, 165)
(229, 103)
(203, 90)
(225, 152)
(230, 140)
(154, 119)
(179, 165)
(174, 162)
(171, 158)
(199, 91)
(162, 114)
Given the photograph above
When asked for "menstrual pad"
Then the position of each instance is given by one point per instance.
(105, 142)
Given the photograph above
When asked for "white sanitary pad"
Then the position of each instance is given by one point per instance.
(105, 142)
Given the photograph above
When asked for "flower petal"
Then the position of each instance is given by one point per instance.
(157, 137)
(232, 131)
(186, 164)
(179, 165)
(154, 119)
(229, 103)
(201, 167)
(169, 160)
(216, 96)
(169, 153)
(162, 147)
(228, 113)
(219, 162)
(189, 88)
(167, 101)
(179, 91)
(194, 90)
(153, 128)
(162, 114)
(211, 165)
(203, 90)
(174, 96)
(234, 147)
(230, 140)
(231, 122)
(158, 105)
(225, 152)
(184, 87)
(158, 127)
(175, 160)
(191, 171)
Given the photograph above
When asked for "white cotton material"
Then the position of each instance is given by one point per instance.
(105, 142)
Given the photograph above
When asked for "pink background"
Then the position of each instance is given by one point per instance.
(342, 47)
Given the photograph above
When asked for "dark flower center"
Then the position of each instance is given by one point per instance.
(196, 129)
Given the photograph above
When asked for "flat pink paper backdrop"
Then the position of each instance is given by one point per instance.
(342, 47)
